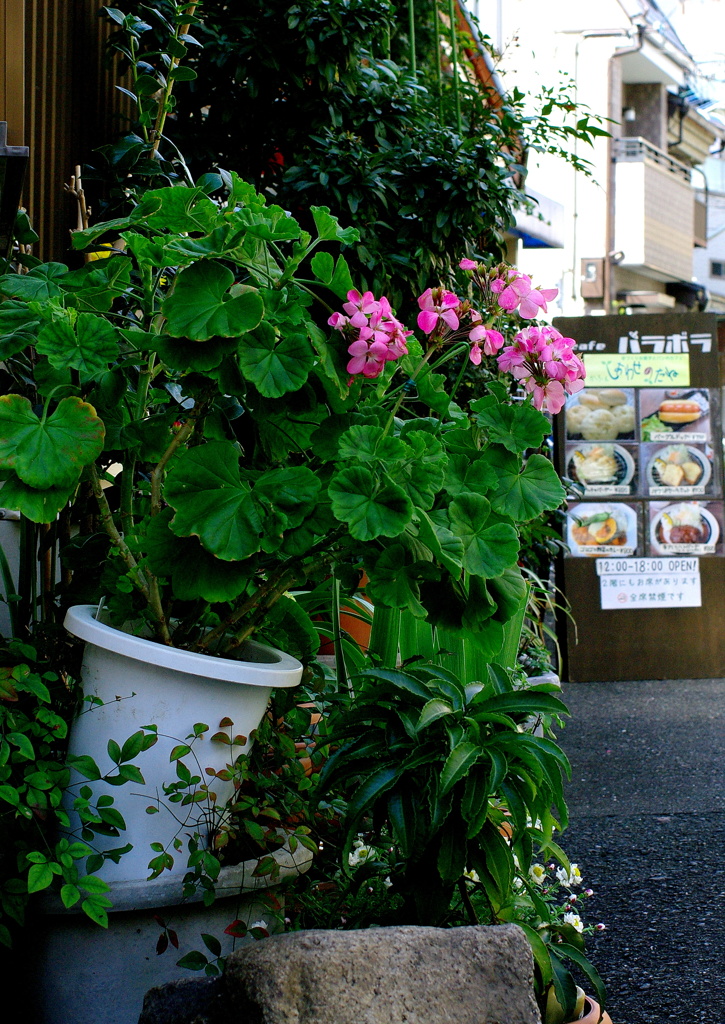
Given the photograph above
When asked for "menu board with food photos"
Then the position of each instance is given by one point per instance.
(640, 448)
(642, 459)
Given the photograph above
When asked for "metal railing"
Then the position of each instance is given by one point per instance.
(635, 150)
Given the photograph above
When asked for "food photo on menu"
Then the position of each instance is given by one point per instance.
(601, 414)
(685, 527)
(677, 470)
(678, 414)
(604, 528)
(602, 469)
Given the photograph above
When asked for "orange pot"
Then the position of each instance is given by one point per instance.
(593, 1013)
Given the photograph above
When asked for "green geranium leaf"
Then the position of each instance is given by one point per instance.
(445, 547)
(432, 390)
(53, 451)
(423, 474)
(525, 495)
(201, 307)
(365, 442)
(177, 208)
(88, 345)
(271, 223)
(488, 550)
(194, 572)
(95, 285)
(329, 229)
(275, 365)
(516, 427)
(293, 491)
(39, 284)
(507, 591)
(180, 354)
(18, 327)
(212, 502)
(36, 505)
(371, 507)
(323, 266)
(287, 425)
(394, 580)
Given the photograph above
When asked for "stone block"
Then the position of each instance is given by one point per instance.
(415, 975)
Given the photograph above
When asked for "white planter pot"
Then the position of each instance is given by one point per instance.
(145, 683)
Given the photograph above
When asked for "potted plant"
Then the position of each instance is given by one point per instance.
(212, 423)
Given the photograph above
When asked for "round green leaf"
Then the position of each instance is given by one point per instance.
(51, 452)
(525, 495)
(200, 306)
(275, 365)
(213, 503)
(371, 508)
(88, 345)
(488, 550)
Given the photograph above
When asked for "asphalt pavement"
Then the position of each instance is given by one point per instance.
(647, 828)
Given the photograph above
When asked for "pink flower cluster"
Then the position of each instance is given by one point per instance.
(515, 291)
(378, 337)
(546, 364)
(540, 357)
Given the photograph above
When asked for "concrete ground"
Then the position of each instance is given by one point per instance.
(647, 828)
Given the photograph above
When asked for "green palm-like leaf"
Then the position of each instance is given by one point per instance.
(433, 710)
(458, 763)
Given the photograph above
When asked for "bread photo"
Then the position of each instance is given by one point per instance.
(675, 410)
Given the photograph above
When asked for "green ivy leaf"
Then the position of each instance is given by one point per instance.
(88, 345)
(201, 306)
(275, 365)
(50, 452)
(488, 550)
(371, 507)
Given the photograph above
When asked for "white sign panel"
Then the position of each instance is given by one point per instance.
(649, 583)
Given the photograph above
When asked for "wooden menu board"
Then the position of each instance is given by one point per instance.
(643, 445)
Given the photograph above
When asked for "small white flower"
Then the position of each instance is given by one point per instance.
(569, 878)
(387, 882)
(537, 873)
(359, 855)
(472, 874)
(259, 924)
(575, 921)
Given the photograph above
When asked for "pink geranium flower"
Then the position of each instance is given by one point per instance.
(437, 306)
(467, 264)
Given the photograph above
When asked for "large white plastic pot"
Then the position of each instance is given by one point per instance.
(145, 683)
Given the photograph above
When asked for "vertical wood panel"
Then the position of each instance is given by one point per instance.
(12, 89)
(71, 106)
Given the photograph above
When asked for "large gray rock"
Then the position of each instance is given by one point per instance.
(476, 975)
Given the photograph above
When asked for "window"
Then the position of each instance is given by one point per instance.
(717, 268)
